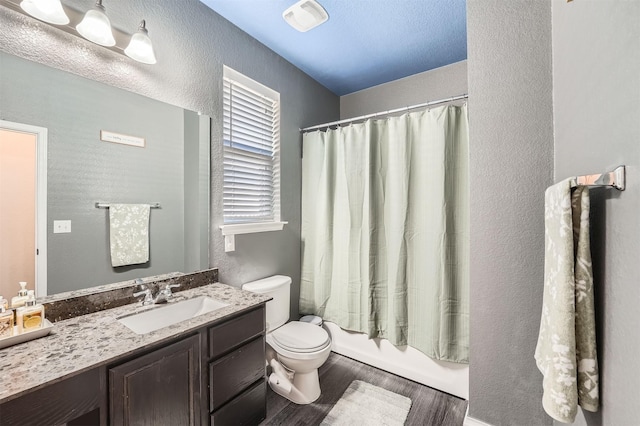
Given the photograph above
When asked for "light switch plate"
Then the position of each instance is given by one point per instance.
(61, 226)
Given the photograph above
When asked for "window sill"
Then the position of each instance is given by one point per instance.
(250, 228)
(230, 231)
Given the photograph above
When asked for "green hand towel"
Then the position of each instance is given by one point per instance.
(566, 349)
(129, 234)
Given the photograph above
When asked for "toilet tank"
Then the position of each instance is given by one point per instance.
(279, 288)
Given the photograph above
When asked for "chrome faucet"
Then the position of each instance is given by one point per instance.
(166, 292)
(163, 295)
(148, 295)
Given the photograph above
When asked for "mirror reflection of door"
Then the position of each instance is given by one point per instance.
(19, 204)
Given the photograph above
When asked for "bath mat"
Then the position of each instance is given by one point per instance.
(365, 404)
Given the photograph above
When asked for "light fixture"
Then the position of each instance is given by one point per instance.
(305, 15)
(140, 47)
(46, 10)
(96, 27)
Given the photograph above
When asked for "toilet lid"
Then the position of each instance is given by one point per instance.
(301, 337)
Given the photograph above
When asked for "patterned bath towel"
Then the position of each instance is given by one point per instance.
(129, 234)
(566, 349)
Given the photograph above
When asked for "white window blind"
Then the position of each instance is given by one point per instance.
(251, 151)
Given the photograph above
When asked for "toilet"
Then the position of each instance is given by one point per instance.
(296, 349)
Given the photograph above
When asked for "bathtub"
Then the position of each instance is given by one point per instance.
(403, 361)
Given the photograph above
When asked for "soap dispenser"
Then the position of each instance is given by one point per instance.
(21, 298)
(6, 319)
(31, 316)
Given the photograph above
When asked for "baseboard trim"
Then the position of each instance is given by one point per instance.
(470, 421)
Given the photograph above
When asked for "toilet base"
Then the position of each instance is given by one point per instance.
(304, 389)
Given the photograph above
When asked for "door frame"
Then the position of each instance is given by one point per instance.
(41, 134)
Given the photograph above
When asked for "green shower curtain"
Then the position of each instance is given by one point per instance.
(385, 229)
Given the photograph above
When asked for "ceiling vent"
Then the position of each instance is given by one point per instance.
(305, 15)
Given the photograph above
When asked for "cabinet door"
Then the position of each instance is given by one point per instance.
(74, 401)
(159, 388)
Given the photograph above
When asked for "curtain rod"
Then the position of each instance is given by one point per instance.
(392, 111)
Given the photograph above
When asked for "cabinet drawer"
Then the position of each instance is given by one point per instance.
(249, 408)
(232, 374)
(225, 336)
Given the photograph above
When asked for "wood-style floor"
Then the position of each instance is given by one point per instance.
(429, 406)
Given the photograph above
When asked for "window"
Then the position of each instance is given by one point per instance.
(251, 155)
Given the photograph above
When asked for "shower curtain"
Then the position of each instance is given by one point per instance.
(385, 229)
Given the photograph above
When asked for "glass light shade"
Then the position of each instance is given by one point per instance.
(46, 10)
(140, 47)
(96, 27)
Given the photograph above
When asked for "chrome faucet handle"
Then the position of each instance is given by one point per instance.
(167, 290)
(148, 296)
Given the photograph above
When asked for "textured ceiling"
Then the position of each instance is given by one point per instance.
(364, 43)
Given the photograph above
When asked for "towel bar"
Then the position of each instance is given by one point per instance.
(106, 205)
(614, 179)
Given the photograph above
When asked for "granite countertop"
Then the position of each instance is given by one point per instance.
(88, 341)
(96, 291)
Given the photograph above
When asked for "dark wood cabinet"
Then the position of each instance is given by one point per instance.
(159, 388)
(77, 400)
(237, 383)
(232, 374)
(215, 375)
(248, 408)
(236, 331)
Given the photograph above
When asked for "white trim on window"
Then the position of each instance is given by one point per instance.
(250, 228)
(251, 157)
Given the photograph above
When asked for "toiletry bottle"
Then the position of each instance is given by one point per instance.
(32, 314)
(4, 302)
(21, 298)
(17, 319)
(6, 320)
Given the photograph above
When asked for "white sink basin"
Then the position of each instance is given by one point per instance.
(155, 319)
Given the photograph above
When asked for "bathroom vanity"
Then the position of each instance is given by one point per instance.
(93, 370)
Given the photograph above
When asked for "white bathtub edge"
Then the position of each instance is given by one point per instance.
(409, 363)
(470, 421)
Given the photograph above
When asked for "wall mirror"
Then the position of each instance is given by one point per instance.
(170, 168)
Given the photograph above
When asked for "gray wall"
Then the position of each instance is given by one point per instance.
(596, 81)
(192, 43)
(436, 84)
(511, 149)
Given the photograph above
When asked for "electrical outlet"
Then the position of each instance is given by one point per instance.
(61, 226)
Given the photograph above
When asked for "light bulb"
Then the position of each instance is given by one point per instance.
(50, 11)
(140, 47)
(96, 27)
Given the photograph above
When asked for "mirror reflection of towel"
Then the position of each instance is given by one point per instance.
(129, 234)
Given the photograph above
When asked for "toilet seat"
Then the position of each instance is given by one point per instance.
(299, 339)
